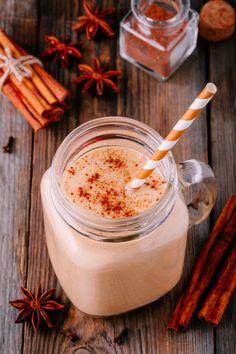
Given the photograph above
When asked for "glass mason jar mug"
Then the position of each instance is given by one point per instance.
(157, 36)
(108, 266)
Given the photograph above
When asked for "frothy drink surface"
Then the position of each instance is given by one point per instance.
(96, 182)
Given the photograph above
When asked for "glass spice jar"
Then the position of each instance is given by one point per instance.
(157, 36)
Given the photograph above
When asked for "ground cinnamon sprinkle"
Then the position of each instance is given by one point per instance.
(83, 193)
(94, 177)
(71, 170)
(112, 205)
(101, 189)
(115, 162)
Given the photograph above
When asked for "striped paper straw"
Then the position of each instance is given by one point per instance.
(178, 130)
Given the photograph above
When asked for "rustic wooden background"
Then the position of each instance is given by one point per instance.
(24, 259)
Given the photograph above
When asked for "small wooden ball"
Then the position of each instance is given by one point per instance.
(216, 21)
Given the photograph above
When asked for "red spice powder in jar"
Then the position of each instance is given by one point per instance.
(158, 13)
(153, 48)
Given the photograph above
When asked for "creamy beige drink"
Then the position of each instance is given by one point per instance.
(114, 250)
(97, 182)
(107, 278)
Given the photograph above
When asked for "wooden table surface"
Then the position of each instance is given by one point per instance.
(24, 258)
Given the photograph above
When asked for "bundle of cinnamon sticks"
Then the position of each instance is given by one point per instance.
(213, 279)
(40, 98)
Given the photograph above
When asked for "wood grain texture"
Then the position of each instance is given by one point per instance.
(24, 257)
(15, 184)
(55, 19)
(222, 59)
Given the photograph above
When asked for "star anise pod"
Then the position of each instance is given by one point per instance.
(36, 307)
(60, 50)
(94, 19)
(97, 75)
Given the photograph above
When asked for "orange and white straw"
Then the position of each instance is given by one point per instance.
(172, 138)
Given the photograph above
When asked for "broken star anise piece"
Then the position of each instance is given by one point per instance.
(36, 307)
(60, 50)
(93, 20)
(97, 75)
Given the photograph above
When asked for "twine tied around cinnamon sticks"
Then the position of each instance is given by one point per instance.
(16, 66)
(37, 95)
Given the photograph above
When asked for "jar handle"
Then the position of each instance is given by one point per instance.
(198, 186)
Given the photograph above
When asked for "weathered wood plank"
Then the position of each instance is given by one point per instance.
(55, 19)
(222, 58)
(160, 113)
(137, 99)
(159, 105)
(156, 104)
(18, 19)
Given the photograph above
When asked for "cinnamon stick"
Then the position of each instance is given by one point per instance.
(28, 91)
(59, 91)
(216, 315)
(40, 98)
(214, 305)
(218, 250)
(11, 92)
(6, 42)
(53, 115)
(43, 121)
(220, 225)
(22, 104)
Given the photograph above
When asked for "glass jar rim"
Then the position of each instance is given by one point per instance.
(173, 21)
(109, 229)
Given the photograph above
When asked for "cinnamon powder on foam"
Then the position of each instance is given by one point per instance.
(96, 182)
